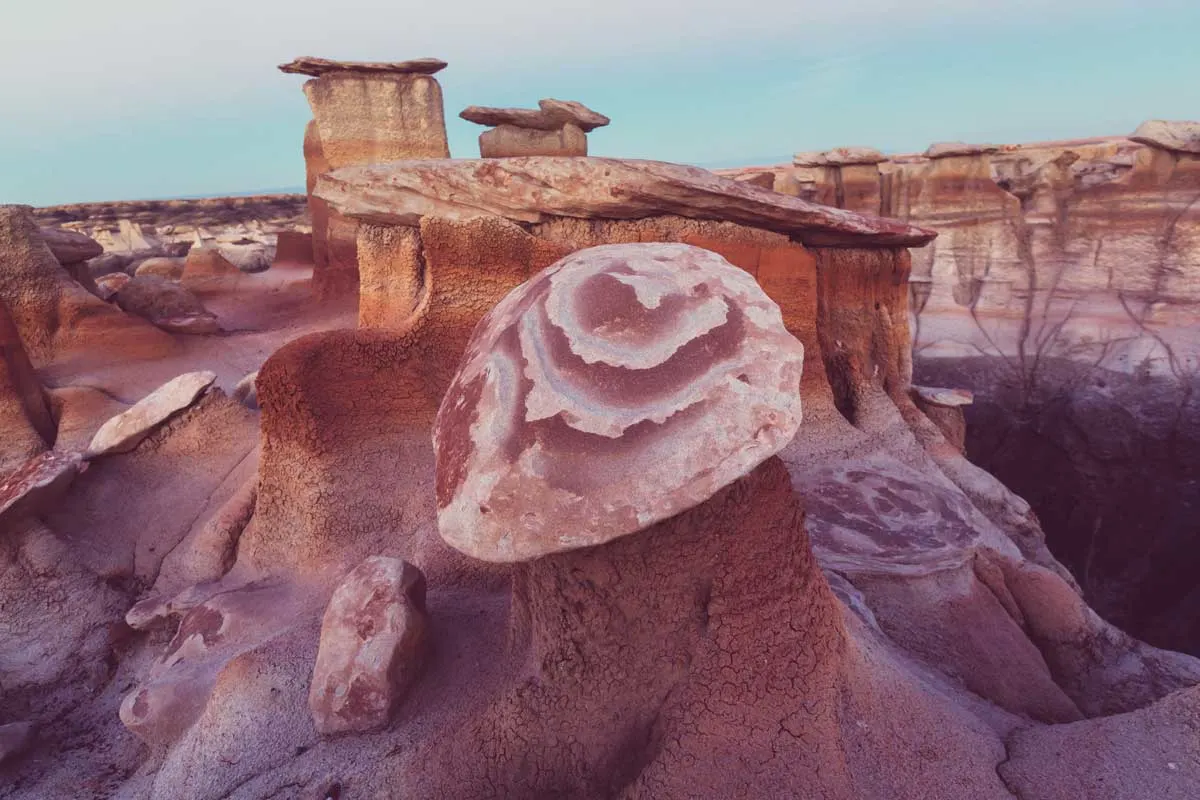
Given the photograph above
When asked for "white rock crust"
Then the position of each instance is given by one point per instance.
(620, 386)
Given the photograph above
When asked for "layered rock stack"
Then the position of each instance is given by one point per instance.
(363, 113)
(555, 128)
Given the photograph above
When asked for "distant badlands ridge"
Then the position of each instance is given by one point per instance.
(219, 208)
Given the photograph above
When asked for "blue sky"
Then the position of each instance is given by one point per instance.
(129, 99)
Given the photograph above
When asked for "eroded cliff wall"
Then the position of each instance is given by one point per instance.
(1063, 289)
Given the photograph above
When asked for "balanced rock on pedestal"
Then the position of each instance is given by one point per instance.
(613, 428)
(556, 128)
(363, 113)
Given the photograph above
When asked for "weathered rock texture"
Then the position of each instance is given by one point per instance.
(127, 430)
(664, 358)
(107, 286)
(532, 190)
(556, 128)
(550, 115)
(1063, 289)
(132, 231)
(70, 247)
(294, 248)
(316, 67)
(165, 303)
(866, 614)
(27, 425)
(40, 481)
(1180, 136)
(508, 141)
(363, 114)
(161, 267)
(373, 642)
(52, 312)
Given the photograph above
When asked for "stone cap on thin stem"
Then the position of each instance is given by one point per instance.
(316, 67)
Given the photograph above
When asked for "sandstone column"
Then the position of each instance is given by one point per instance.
(363, 113)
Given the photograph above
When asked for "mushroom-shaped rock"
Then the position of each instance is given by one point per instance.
(618, 387)
(125, 431)
(373, 639)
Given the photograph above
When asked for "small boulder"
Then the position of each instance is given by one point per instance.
(207, 262)
(162, 267)
(763, 180)
(70, 247)
(108, 263)
(166, 304)
(1177, 136)
(373, 642)
(15, 739)
(39, 482)
(249, 257)
(125, 431)
(108, 285)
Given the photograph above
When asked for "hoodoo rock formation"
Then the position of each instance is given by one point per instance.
(1062, 290)
(363, 113)
(556, 128)
(549, 521)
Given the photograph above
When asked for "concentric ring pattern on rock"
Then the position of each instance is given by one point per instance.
(616, 388)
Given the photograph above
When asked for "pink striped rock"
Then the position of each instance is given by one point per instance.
(616, 388)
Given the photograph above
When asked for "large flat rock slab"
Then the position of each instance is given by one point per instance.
(316, 67)
(550, 115)
(125, 431)
(537, 188)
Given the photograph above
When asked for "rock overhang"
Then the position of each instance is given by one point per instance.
(534, 189)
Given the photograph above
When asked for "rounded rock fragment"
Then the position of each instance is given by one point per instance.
(618, 387)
